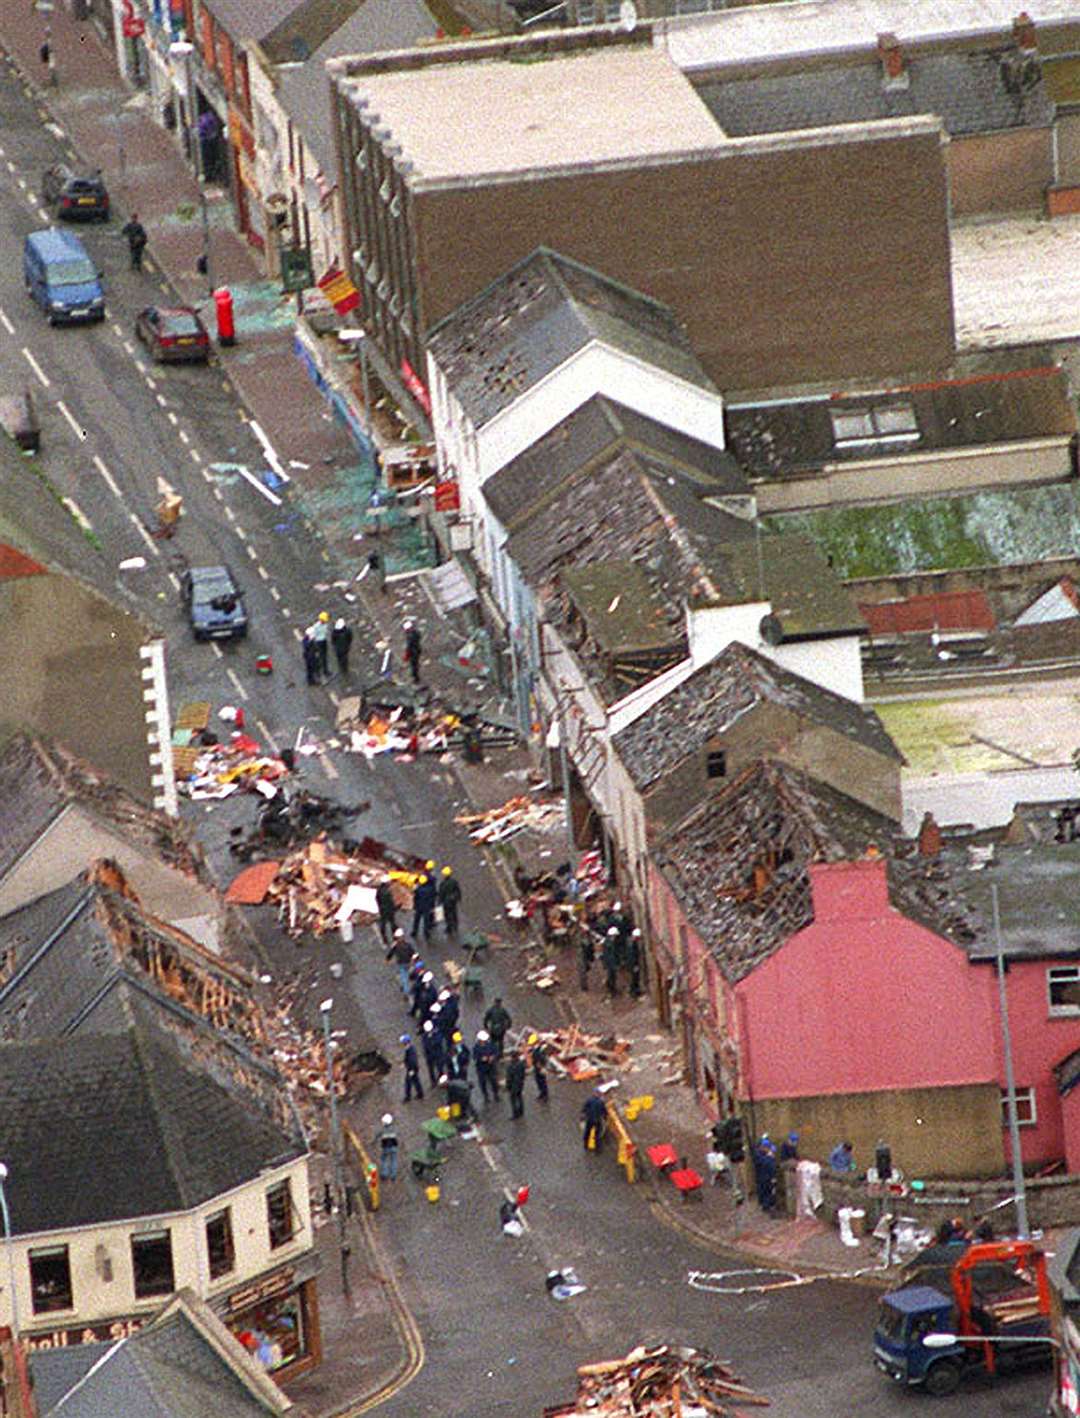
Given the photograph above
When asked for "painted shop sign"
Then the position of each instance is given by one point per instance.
(261, 1290)
(85, 1334)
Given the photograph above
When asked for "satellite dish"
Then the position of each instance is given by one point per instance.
(771, 631)
(628, 16)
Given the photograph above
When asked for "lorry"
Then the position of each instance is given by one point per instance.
(988, 1309)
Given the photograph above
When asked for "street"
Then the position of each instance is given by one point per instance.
(115, 429)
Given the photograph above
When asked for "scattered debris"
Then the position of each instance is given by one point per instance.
(571, 1053)
(320, 886)
(661, 1381)
(563, 1284)
(287, 819)
(515, 815)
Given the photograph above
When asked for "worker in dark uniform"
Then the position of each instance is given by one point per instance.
(424, 896)
(486, 1059)
(515, 1085)
(460, 1056)
(497, 1021)
(411, 1061)
(633, 961)
(594, 1113)
(384, 900)
(432, 1045)
(610, 956)
(539, 1067)
(449, 900)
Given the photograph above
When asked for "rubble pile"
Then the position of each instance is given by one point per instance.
(321, 886)
(663, 1381)
(571, 1053)
(515, 815)
(290, 818)
(392, 720)
(217, 770)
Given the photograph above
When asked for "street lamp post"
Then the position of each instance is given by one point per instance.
(1010, 1078)
(6, 1215)
(182, 50)
(335, 1141)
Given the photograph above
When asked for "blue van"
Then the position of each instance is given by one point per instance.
(61, 277)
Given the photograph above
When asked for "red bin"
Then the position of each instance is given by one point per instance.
(223, 309)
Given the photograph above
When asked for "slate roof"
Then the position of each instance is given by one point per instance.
(322, 30)
(784, 439)
(38, 781)
(970, 93)
(594, 428)
(1038, 904)
(501, 342)
(184, 1364)
(774, 820)
(250, 19)
(717, 695)
(159, 1118)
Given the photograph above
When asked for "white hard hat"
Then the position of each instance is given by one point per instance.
(482, 1036)
(428, 1026)
(387, 1119)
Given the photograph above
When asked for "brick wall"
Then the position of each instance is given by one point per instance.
(1051, 1201)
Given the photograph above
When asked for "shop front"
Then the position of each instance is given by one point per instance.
(276, 1319)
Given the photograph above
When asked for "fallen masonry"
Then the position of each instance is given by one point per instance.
(663, 1381)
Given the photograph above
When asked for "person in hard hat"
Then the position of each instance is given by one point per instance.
(387, 906)
(432, 1044)
(425, 894)
(320, 633)
(387, 1139)
(538, 1053)
(412, 650)
(460, 1056)
(515, 1084)
(411, 1061)
(341, 637)
(486, 1060)
(449, 900)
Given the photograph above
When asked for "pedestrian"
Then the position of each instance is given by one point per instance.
(384, 900)
(610, 955)
(633, 961)
(764, 1160)
(515, 1085)
(789, 1148)
(432, 1045)
(497, 1021)
(412, 650)
(427, 997)
(136, 240)
(594, 1113)
(424, 897)
(459, 1095)
(320, 633)
(411, 1061)
(539, 1067)
(451, 1012)
(485, 1058)
(388, 1148)
(842, 1158)
(461, 1056)
(586, 956)
(341, 637)
(401, 952)
(311, 657)
(449, 900)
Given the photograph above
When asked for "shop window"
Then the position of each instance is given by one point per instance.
(280, 1216)
(219, 1243)
(50, 1280)
(1026, 1113)
(151, 1261)
(716, 764)
(274, 1333)
(1063, 987)
(893, 423)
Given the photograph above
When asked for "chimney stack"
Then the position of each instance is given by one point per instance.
(1023, 28)
(929, 837)
(894, 74)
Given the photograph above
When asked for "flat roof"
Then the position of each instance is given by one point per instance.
(599, 106)
(802, 27)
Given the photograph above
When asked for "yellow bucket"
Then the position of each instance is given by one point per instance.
(645, 1102)
(432, 1192)
(443, 1113)
(631, 1113)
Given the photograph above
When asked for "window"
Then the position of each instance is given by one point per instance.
(151, 1261)
(892, 423)
(1063, 987)
(716, 763)
(280, 1217)
(1026, 1114)
(219, 1243)
(50, 1280)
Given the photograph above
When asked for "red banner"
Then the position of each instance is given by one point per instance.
(447, 497)
(339, 290)
(132, 25)
(415, 386)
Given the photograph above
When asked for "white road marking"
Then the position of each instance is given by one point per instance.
(129, 347)
(147, 538)
(80, 433)
(328, 767)
(296, 633)
(32, 362)
(229, 513)
(275, 593)
(267, 735)
(219, 495)
(240, 532)
(175, 580)
(260, 487)
(109, 479)
(183, 437)
(263, 572)
(77, 512)
(172, 417)
(335, 697)
(252, 552)
(241, 691)
(216, 649)
(118, 329)
(42, 214)
(207, 475)
(162, 400)
(8, 326)
(150, 380)
(286, 612)
(22, 182)
(10, 165)
(194, 455)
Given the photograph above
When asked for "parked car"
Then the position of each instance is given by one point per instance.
(75, 196)
(215, 603)
(61, 278)
(173, 333)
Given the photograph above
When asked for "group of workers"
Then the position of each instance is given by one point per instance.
(316, 643)
(611, 930)
(433, 888)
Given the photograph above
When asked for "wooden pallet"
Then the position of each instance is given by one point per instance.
(194, 716)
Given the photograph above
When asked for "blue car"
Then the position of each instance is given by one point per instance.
(61, 278)
(215, 603)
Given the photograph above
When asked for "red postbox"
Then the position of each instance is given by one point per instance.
(223, 309)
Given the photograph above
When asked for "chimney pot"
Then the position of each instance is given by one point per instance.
(892, 57)
(929, 837)
(1024, 32)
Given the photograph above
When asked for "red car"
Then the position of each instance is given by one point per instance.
(173, 333)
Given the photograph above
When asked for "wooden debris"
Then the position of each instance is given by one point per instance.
(571, 1053)
(662, 1381)
(313, 881)
(515, 815)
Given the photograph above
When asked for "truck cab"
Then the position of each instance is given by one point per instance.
(905, 1318)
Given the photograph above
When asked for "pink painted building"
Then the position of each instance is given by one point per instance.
(834, 979)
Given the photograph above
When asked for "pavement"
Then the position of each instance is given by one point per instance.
(109, 127)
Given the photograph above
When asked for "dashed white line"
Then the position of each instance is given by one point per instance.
(10, 165)
(207, 475)
(336, 698)
(327, 767)
(263, 572)
(175, 580)
(240, 532)
(296, 633)
(109, 479)
(172, 417)
(216, 649)
(8, 326)
(147, 538)
(130, 348)
(229, 512)
(150, 380)
(80, 433)
(286, 612)
(162, 400)
(42, 214)
(183, 436)
(195, 455)
(275, 593)
(22, 182)
(267, 735)
(32, 362)
(252, 552)
(241, 691)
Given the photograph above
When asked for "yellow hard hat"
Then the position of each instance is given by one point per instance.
(534, 1038)
(324, 615)
(429, 865)
(448, 871)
